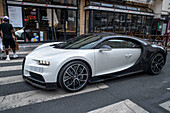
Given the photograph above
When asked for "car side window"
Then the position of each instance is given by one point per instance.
(118, 43)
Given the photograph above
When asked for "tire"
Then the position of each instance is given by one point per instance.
(26, 36)
(156, 64)
(74, 76)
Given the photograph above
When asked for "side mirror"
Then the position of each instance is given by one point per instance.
(105, 48)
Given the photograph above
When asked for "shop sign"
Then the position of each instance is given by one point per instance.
(71, 19)
(15, 16)
(45, 18)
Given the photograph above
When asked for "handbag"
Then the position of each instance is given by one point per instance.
(16, 46)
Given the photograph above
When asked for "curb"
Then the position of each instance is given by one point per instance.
(28, 47)
(168, 49)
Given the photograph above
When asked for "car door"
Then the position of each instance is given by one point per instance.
(115, 55)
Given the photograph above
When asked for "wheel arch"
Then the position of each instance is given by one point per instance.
(161, 52)
(90, 68)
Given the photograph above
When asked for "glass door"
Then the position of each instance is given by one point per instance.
(64, 24)
(59, 24)
(70, 23)
(45, 16)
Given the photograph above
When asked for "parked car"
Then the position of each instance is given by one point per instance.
(28, 34)
(91, 58)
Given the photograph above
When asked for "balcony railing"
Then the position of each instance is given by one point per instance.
(141, 1)
(163, 40)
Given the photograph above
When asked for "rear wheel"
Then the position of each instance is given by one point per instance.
(74, 76)
(156, 64)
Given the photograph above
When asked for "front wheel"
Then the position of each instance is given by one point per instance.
(74, 76)
(156, 64)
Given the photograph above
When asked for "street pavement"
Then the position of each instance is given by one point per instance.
(138, 93)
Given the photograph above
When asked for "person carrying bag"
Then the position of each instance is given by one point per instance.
(7, 31)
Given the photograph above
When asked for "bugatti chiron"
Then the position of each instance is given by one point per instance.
(91, 58)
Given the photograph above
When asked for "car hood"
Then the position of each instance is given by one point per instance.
(47, 51)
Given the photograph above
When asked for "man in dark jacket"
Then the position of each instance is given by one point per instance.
(7, 31)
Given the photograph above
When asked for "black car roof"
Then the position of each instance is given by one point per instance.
(106, 35)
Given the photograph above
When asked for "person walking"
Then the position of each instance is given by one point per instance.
(7, 31)
(1, 46)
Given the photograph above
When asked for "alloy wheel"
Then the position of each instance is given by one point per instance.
(75, 77)
(157, 63)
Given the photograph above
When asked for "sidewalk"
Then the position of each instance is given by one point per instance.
(28, 46)
(168, 49)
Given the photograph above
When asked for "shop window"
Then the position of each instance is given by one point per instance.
(59, 24)
(110, 22)
(143, 24)
(97, 21)
(45, 24)
(70, 24)
(139, 26)
(149, 24)
(129, 22)
(133, 24)
(122, 28)
(104, 21)
(31, 24)
(64, 22)
(116, 22)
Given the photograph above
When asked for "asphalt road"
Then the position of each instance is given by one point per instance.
(142, 89)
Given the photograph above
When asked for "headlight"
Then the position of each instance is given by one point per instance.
(42, 62)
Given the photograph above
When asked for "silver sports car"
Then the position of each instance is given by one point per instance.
(91, 58)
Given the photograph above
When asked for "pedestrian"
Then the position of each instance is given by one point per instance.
(7, 31)
(1, 46)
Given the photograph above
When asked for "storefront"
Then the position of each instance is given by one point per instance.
(160, 25)
(59, 20)
(39, 20)
(103, 16)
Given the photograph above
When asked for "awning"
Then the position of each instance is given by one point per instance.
(118, 10)
(40, 5)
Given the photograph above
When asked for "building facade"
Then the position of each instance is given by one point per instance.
(59, 20)
(161, 9)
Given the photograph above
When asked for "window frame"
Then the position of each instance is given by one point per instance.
(136, 43)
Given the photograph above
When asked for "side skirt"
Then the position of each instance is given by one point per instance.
(101, 78)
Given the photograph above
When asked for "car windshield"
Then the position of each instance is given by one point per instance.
(81, 42)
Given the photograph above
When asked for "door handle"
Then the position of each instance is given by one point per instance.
(128, 55)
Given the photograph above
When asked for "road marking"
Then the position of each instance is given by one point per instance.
(126, 106)
(11, 61)
(11, 68)
(168, 89)
(166, 105)
(11, 80)
(21, 52)
(37, 96)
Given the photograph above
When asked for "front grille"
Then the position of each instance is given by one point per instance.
(37, 76)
